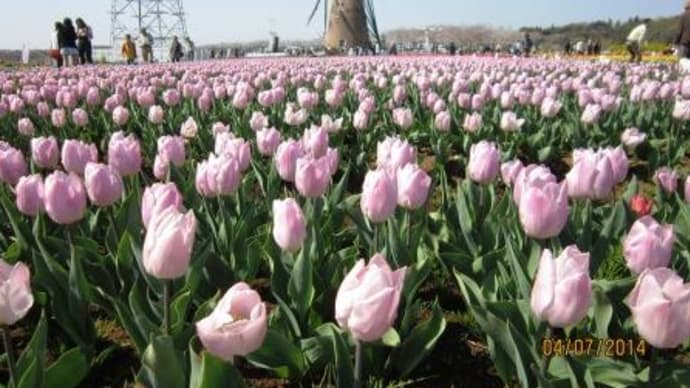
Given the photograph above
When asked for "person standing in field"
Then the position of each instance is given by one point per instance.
(635, 41)
(84, 37)
(527, 45)
(176, 50)
(69, 51)
(145, 42)
(683, 38)
(129, 50)
(56, 44)
(190, 48)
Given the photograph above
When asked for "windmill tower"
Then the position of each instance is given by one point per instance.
(348, 23)
(163, 19)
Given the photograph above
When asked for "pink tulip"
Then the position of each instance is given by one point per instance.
(80, 117)
(189, 128)
(379, 196)
(42, 109)
(402, 117)
(58, 118)
(442, 121)
(103, 184)
(156, 115)
(648, 245)
(366, 304)
(591, 177)
(258, 121)
(360, 120)
(75, 155)
(29, 191)
(93, 97)
(286, 159)
(484, 163)
(289, 226)
(267, 141)
(315, 141)
(687, 189)
(312, 176)
(543, 210)
(237, 325)
(591, 114)
(510, 171)
(124, 154)
(659, 304)
(219, 128)
(16, 298)
(45, 152)
(238, 148)
(168, 243)
(172, 148)
(667, 179)
(413, 186)
(562, 291)
(330, 125)
(528, 176)
(157, 198)
(510, 122)
(12, 165)
(472, 122)
(217, 176)
(26, 127)
(550, 107)
(394, 153)
(681, 110)
(171, 97)
(633, 137)
(64, 198)
(120, 116)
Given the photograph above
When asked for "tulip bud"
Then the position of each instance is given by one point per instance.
(29, 191)
(237, 325)
(64, 198)
(648, 245)
(413, 186)
(26, 127)
(667, 179)
(484, 163)
(267, 141)
(172, 147)
(312, 176)
(157, 198)
(156, 115)
(45, 152)
(379, 196)
(659, 304)
(402, 117)
(366, 304)
(120, 116)
(217, 176)
(543, 210)
(289, 226)
(16, 298)
(103, 184)
(562, 291)
(286, 159)
(510, 171)
(124, 154)
(80, 117)
(75, 155)
(641, 205)
(168, 244)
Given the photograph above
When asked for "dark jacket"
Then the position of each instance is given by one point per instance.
(683, 37)
(69, 37)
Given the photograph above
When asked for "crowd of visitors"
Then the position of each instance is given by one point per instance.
(70, 43)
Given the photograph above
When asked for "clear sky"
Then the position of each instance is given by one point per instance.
(212, 21)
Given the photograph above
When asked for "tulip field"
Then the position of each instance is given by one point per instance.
(349, 222)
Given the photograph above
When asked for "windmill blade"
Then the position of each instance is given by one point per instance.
(325, 15)
(313, 11)
(373, 25)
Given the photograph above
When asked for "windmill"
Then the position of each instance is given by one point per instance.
(348, 23)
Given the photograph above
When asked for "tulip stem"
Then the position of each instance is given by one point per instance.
(358, 364)
(10, 355)
(652, 368)
(408, 217)
(545, 359)
(166, 307)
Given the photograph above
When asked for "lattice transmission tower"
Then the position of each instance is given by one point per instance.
(163, 19)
